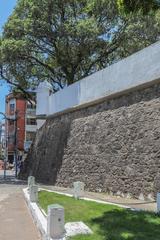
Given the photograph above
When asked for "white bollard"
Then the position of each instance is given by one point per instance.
(158, 202)
(33, 193)
(55, 222)
(31, 181)
(78, 189)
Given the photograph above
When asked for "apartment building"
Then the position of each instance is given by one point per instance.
(30, 124)
(21, 126)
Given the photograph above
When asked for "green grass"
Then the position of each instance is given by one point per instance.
(108, 222)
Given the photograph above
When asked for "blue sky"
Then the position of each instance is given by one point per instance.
(6, 8)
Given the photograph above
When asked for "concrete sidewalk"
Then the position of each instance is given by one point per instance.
(130, 202)
(15, 220)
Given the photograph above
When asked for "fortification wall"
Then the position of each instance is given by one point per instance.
(112, 146)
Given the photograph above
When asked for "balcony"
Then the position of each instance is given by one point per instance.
(31, 128)
(11, 116)
(30, 112)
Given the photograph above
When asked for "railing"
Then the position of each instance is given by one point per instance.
(31, 112)
(31, 128)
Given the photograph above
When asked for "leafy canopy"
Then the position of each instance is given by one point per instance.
(65, 40)
(133, 6)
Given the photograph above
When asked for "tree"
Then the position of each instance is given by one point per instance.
(133, 6)
(64, 41)
(10, 79)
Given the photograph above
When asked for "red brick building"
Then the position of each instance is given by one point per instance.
(20, 136)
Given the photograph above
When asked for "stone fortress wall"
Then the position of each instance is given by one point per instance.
(112, 143)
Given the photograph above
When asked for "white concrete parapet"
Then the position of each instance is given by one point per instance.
(55, 222)
(43, 92)
(138, 70)
(78, 189)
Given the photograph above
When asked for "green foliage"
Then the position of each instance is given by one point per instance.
(133, 6)
(107, 222)
(64, 41)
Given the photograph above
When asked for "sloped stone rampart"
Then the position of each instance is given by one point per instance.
(113, 146)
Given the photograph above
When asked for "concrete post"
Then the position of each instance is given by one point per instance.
(33, 193)
(31, 181)
(55, 222)
(78, 189)
(158, 202)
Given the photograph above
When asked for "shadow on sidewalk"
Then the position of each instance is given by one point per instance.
(10, 179)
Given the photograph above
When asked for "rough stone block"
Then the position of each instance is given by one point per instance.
(76, 228)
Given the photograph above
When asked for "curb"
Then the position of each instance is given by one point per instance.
(88, 199)
(38, 216)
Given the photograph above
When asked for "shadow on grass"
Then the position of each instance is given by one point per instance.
(127, 224)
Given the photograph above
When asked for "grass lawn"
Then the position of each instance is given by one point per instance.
(106, 221)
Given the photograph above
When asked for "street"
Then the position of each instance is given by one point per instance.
(15, 220)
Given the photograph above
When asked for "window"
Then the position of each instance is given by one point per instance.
(31, 121)
(11, 139)
(31, 106)
(30, 136)
(12, 107)
(11, 122)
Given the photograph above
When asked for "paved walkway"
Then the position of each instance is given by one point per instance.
(133, 203)
(15, 220)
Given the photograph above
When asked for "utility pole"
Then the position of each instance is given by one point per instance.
(6, 145)
(15, 144)
(6, 148)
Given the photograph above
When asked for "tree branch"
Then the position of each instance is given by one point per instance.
(27, 95)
